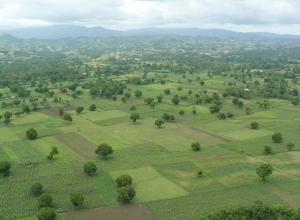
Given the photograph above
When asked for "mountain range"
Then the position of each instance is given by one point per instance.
(72, 31)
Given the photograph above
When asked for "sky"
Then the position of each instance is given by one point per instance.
(275, 16)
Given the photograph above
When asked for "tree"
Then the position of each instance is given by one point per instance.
(159, 122)
(61, 111)
(126, 194)
(277, 137)
(31, 134)
(179, 88)
(196, 146)
(79, 109)
(4, 167)
(46, 214)
(134, 117)
(7, 114)
(148, 100)
(53, 152)
(55, 99)
(295, 102)
(123, 180)
(114, 98)
(92, 107)
(127, 95)
(290, 146)
(89, 168)
(7, 121)
(190, 92)
(214, 108)
(167, 91)
(172, 117)
(254, 125)
(268, 150)
(159, 98)
(194, 111)
(123, 99)
(229, 115)
(199, 173)
(36, 188)
(76, 199)
(240, 104)
(17, 102)
(132, 108)
(104, 150)
(201, 82)
(138, 93)
(68, 118)
(264, 170)
(45, 200)
(175, 101)
(235, 101)
(26, 109)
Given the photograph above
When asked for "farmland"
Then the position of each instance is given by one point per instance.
(160, 160)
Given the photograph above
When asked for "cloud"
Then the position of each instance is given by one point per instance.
(244, 15)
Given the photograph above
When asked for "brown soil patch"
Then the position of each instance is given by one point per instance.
(77, 143)
(214, 135)
(53, 112)
(124, 212)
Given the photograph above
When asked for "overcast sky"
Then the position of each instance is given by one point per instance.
(277, 16)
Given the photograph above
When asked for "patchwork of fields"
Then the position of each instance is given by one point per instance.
(160, 160)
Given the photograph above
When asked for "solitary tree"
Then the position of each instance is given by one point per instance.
(181, 112)
(290, 146)
(79, 109)
(199, 173)
(159, 98)
(61, 111)
(7, 114)
(201, 82)
(214, 109)
(123, 99)
(240, 104)
(4, 167)
(36, 188)
(138, 93)
(26, 109)
(196, 146)
(104, 150)
(31, 134)
(277, 137)
(126, 194)
(76, 199)
(132, 108)
(221, 116)
(134, 117)
(264, 170)
(167, 91)
(45, 200)
(68, 118)
(268, 150)
(165, 116)
(7, 121)
(235, 101)
(124, 180)
(194, 111)
(159, 122)
(127, 95)
(175, 101)
(53, 152)
(89, 168)
(254, 125)
(46, 214)
(92, 107)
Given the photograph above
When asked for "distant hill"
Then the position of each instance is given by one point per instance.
(72, 31)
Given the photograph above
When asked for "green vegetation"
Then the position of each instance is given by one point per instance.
(264, 171)
(36, 188)
(46, 214)
(104, 150)
(31, 134)
(45, 200)
(90, 168)
(76, 199)
(124, 180)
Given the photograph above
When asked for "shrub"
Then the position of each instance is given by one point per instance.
(290, 146)
(268, 150)
(277, 137)
(254, 125)
(45, 200)
(196, 146)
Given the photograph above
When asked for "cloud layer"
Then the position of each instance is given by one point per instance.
(278, 16)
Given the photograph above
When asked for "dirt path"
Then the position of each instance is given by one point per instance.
(214, 135)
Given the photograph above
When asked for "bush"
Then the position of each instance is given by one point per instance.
(124, 180)
(90, 168)
(196, 146)
(68, 118)
(104, 150)
(181, 112)
(290, 146)
(77, 199)
(46, 214)
(31, 134)
(45, 200)
(194, 112)
(221, 116)
(36, 188)
(268, 150)
(126, 194)
(200, 173)
(92, 107)
(132, 108)
(277, 137)
(254, 125)
(5, 167)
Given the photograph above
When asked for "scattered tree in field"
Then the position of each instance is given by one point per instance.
(152, 104)
(165, 116)
(76, 199)
(31, 134)
(229, 115)
(148, 100)
(167, 91)
(18, 114)
(7, 114)
(235, 101)
(201, 82)
(199, 173)
(181, 112)
(132, 108)
(268, 150)
(194, 111)
(214, 109)
(126, 194)
(46, 214)
(175, 100)
(114, 98)
(55, 99)
(290, 146)
(196, 146)
(123, 99)
(295, 102)
(254, 125)
(159, 98)
(172, 117)
(134, 117)
(163, 82)
(53, 152)
(36, 189)
(138, 93)
(92, 107)
(277, 137)
(248, 111)
(4, 168)
(221, 116)
(79, 109)
(90, 168)
(179, 88)
(127, 95)
(123, 180)
(240, 104)
(7, 121)
(68, 118)
(104, 150)
(159, 122)
(190, 92)
(264, 171)
(61, 112)
(45, 200)
(26, 109)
